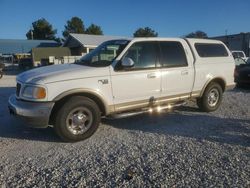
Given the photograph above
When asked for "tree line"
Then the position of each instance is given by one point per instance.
(43, 30)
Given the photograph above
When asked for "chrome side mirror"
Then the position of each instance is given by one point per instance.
(127, 62)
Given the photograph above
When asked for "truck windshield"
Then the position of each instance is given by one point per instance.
(104, 54)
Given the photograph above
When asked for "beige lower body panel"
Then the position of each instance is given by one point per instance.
(231, 86)
(196, 94)
(153, 102)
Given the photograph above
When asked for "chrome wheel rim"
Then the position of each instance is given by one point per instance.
(213, 97)
(79, 120)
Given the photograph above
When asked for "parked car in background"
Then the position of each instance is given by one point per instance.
(25, 63)
(239, 54)
(242, 72)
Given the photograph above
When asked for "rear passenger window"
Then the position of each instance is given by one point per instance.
(211, 50)
(172, 54)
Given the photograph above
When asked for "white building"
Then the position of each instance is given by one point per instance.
(81, 44)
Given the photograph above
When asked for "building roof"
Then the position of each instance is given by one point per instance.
(88, 41)
(13, 46)
(231, 35)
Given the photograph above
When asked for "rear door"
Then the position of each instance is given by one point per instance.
(177, 68)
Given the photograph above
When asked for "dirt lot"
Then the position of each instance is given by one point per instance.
(179, 149)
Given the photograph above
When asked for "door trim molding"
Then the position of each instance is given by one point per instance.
(150, 102)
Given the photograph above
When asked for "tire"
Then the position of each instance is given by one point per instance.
(1, 74)
(211, 98)
(77, 119)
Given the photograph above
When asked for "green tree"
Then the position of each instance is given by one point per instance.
(74, 25)
(94, 30)
(197, 34)
(145, 32)
(41, 30)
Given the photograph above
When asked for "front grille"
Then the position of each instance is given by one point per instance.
(18, 88)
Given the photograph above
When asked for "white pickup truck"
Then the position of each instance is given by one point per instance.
(121, 78)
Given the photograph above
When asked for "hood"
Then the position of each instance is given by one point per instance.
(56, 73)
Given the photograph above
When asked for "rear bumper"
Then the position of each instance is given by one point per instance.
(231, 86)
(36, 114)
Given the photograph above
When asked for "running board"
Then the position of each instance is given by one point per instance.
(155, 109)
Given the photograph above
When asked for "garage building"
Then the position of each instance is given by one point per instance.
(237, 42)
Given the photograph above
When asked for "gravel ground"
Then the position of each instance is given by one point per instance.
(185, 148)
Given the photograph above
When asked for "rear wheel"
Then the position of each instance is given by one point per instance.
(77, 119)
(211, 98)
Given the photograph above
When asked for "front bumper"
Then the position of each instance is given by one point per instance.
(36, 114)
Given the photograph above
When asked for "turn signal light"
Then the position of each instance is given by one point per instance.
(41, 93)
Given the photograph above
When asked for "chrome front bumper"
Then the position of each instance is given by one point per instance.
(36, 114)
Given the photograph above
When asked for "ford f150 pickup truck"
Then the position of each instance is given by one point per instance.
(121, 78)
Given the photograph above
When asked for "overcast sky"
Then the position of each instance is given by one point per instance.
(170, 18)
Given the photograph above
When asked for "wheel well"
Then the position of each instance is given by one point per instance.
(220, 81)
(60, 102)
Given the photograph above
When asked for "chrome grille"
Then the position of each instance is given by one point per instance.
(18, 88)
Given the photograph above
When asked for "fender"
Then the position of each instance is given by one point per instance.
(220, 80)
(108, 108)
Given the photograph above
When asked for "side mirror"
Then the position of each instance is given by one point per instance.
(127, 62)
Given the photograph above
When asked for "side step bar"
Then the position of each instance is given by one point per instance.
(154, 109)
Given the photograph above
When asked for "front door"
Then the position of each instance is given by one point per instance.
(139, 85)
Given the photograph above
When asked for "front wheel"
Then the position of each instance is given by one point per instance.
(211, 98)
(77, 119)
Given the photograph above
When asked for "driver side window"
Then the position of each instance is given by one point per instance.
(144, 55)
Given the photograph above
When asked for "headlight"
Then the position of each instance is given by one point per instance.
(34, 92)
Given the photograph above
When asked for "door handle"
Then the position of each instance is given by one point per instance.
(185, 72)
(153, 75)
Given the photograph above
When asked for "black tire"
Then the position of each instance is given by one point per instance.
(63, 118)
(205, 103)
(1, 74)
